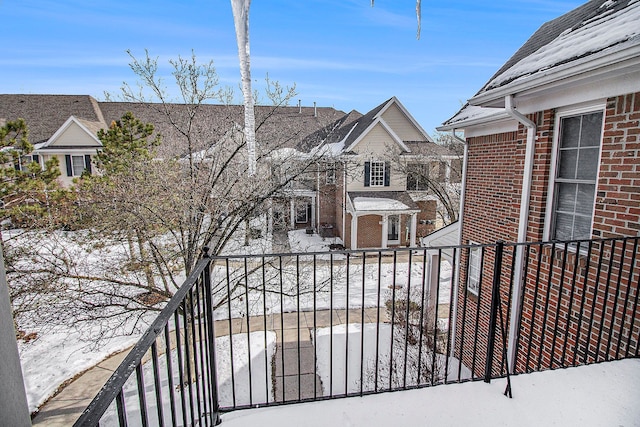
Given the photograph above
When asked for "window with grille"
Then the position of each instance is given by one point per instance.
(576, 176)
(377, 174)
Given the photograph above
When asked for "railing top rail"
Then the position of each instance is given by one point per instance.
(108, 393)
(356, 252)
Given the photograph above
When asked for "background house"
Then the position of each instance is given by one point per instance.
(371, 185)
(363, 178)
(553, 155)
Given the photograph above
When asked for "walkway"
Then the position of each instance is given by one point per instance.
(65, 408)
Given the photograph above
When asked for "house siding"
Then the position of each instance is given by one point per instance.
(559, 286)
(401, 125)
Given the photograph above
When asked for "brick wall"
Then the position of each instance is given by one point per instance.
(586, 299)
(618, 197)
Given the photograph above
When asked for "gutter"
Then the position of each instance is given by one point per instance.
(523, 224)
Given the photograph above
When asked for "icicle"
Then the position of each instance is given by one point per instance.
(419, 16)
(241, 20)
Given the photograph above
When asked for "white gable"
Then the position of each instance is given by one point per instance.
(73, 133)
(403, 124)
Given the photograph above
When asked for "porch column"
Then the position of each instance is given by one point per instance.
(385, 231)
(292, 206)
(433, 261)
(313, 213)
(354, 231)
(412, 230)
(270, 218)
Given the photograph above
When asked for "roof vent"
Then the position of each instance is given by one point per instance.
(299, 106)
(315, 109)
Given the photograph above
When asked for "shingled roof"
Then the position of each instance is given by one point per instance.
(583, 32)
(45, 114)
(286, 126)
(583, 40)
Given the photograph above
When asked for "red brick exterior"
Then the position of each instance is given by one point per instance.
(582, 306)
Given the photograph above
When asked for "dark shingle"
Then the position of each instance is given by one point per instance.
(45, 114)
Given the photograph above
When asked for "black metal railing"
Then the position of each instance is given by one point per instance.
(256, 330)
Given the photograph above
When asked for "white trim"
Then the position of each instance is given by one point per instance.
(472, 250)
(561, 113)
(399, 223)
(386, 127)
(51, 141)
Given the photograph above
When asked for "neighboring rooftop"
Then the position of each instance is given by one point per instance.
(598, 36)
(592, 28)
(45, 114)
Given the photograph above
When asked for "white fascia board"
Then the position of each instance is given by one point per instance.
(386, 127)
(620, 61)
(65, 126)
(495, 127)
(489, 119)
(67, 150)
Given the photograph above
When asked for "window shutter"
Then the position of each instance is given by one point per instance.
(67, 160)
(16, 165)
(87, 163)
(36, 158)
(367, 173)
(387, 174)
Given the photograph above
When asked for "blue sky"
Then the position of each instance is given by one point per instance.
(339, 53)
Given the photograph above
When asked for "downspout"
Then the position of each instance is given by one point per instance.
(317, 196)
(456, 274)
(523, 223)
(344, 202)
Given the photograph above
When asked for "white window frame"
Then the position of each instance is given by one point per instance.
(73, 165)
(376, 173)
(474, 270)
(551, 196)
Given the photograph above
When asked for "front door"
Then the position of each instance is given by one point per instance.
(393, 234)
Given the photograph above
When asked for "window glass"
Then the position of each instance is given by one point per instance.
(473, 282)
(393, 228)
(576, 175)
(377, 174)
(77, 163)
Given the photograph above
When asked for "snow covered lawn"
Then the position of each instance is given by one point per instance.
(338, 372)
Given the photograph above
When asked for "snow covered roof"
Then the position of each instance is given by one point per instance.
(597, 29)
(472, 114)
(378, 201)
(598, 36)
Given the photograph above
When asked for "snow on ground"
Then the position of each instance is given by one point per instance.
(246, 359)
(604, 394)
(300, 241)
(60, 354)
(338, 372)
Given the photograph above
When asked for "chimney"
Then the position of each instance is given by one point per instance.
(315, 109)
(299, 106)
